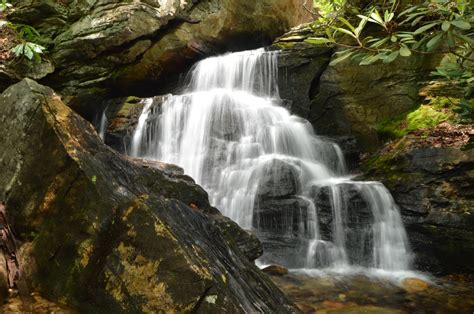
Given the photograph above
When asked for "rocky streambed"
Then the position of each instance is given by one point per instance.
(351, 294)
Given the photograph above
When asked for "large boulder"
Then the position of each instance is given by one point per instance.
(112, 233)
(140, 46)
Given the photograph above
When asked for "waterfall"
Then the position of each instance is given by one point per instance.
(102, 123)
(268, 171)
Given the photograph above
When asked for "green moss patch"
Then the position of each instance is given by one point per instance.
(438, 110)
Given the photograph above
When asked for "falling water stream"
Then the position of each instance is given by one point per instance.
(268, 171)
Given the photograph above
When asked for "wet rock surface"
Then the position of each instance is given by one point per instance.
(280, 180)
(300, 66)
(117, 233)
(431, 179)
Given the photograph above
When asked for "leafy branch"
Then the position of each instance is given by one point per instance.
(434, 27)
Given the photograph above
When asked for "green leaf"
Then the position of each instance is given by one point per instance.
(465, 38)
(359, 56)
(380, 42)
(346, 22)
(376, 16)
(461, 24)
(388, 16)
(340, 59)
(318, 40)
(434, 42)
(328, 33)
(425, 28)
(445, 26)
(36, 48)
(416, 21)
(369, 60)
(420, 42)
(405, 35)
(404, 51)
(17, 50)
(409, 10)
(361, 25)
(391, 57)
(348, 32)
(366, 40)
(28, 52)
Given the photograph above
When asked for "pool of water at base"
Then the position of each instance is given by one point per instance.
(366, 291)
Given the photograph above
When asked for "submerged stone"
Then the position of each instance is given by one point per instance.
(275, 270)
(414, 285)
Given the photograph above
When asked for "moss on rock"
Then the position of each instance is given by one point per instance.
(436, 111)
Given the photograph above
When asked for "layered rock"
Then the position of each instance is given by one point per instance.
(141, 46)
(112, 233)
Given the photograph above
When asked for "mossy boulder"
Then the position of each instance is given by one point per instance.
(113, 233)
(431, 114)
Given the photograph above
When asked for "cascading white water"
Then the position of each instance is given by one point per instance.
(103, 122)
(268, 171)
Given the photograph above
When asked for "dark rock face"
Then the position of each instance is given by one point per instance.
(129, 47)
(434, 187)
(280, 180)
(356, 217)
(278, 209)
(111, 233)
(358, 213)
(300, 67)
(281, 215)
